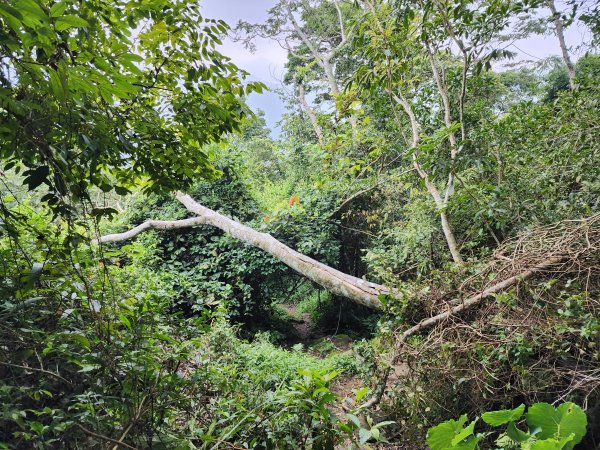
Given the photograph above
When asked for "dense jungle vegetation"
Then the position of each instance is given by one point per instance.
(412, 263)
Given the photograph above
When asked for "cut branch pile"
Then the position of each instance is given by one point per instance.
(569, 248)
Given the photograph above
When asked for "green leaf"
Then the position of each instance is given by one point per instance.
(70, 21)
(501, 417)
(384, 423)
(80, 339)
(31, 9)
(441, 436)
(552, 444)
(37, 427)
(376, 434)
(353, 419)
(12, 16)
(120, 190)
(58, 9)
(9, 10)
(331, 375)
(360, 393)
(165, 337)
(468, 444)
(464, 433)
(88, 367)
(515, 434)
(35, 177)
(364, 435)
(125, 321)
(55, 84)
(558, 423)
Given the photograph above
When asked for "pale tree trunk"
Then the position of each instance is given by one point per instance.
(338, 283)
(450, 239)
(310, 112)
(559, 28)
(440, 202)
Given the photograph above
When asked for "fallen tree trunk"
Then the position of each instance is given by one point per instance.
(336, 282)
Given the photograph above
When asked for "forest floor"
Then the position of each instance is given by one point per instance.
(316, 342)
(302, 323)
(319, 344)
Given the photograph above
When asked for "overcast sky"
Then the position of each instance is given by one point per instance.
(267, 63)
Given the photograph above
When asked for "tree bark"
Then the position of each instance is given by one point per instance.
(559, 27)
(310, 112)
(338, 283)
(440, 202)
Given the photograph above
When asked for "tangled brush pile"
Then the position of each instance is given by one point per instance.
(523, 328)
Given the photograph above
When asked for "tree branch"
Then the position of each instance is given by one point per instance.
(151, 225)
(105, 438)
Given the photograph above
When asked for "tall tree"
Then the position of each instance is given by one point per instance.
(559, 30)
(423, 55)
(315, 34)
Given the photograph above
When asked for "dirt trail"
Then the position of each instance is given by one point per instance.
(344, 386)
(301, 322)
(308, 334)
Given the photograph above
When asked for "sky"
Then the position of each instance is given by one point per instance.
(267, 63)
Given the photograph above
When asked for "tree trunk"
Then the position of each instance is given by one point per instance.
(338, 283)
(559, 27)
(450, 239)
(440, 202)
(310, 112)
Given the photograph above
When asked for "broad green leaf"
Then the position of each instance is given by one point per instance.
(552, 444)
(360, 393)
(88, 367)
(55, 84)
(468, 444)
(364, 435)
(376, 434)
(464, 433)
(9, 10)
(558, 423)
(37, 426)
(165, 337)
(384, 424)
(440, 437)
(31, 9)
(81, 340)
(36, 176)
(353, 419)
(12, 17)
(58, 9)
(125, 321)
(501, 417)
